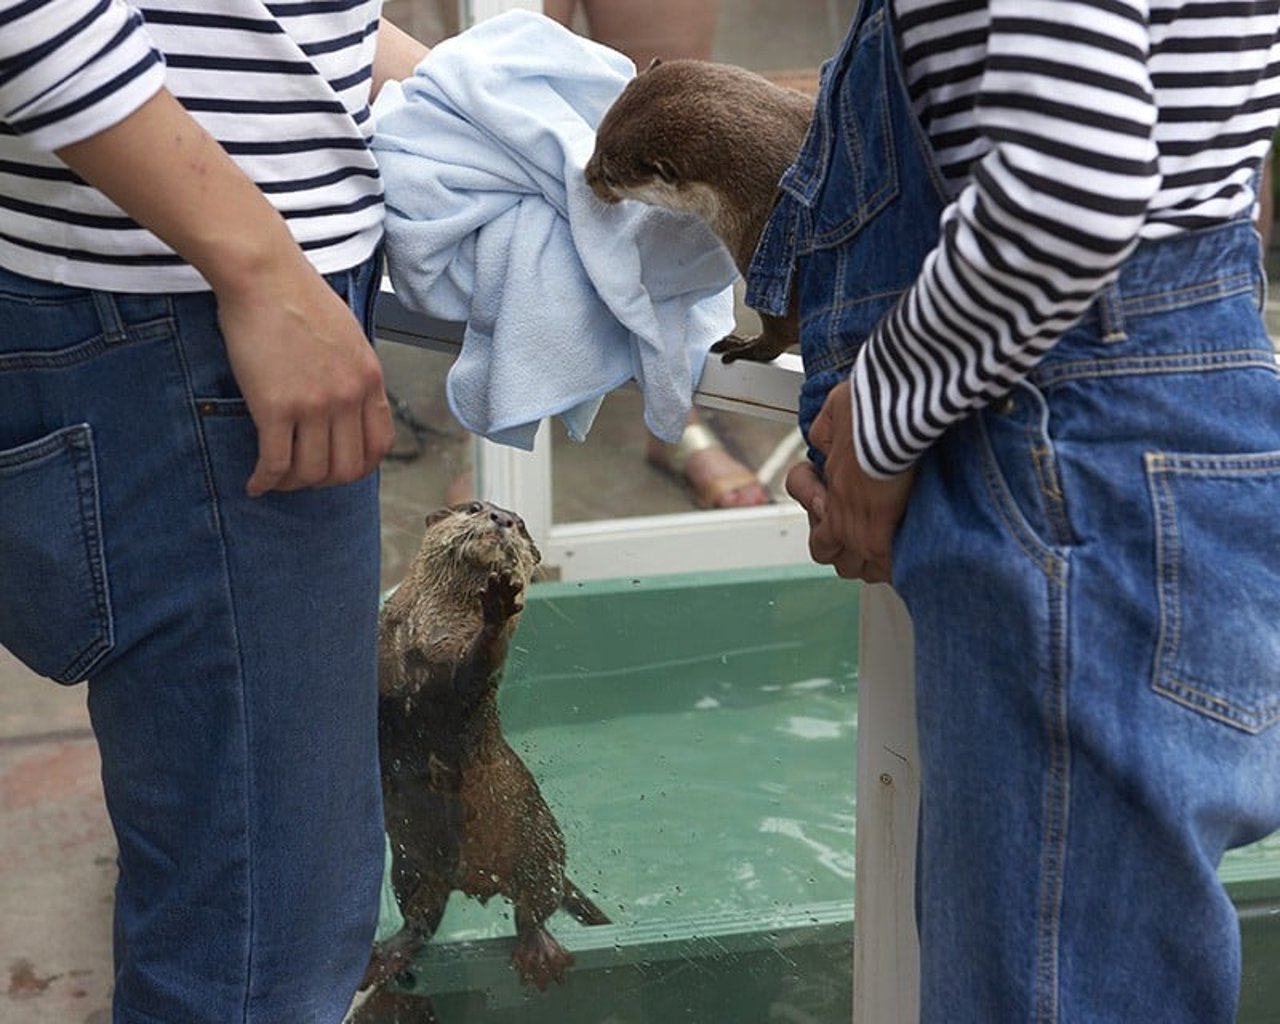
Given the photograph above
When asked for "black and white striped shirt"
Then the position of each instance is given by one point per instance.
(284, 86)
(1068, 130)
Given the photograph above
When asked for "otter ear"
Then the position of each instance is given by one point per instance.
(654, 63)
(437, 516)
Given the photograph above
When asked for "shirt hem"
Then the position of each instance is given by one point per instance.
(152, 280)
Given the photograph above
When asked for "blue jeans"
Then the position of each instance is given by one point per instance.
(1093, 572)
(229, 645)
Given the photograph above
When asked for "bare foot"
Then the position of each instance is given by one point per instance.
(715, 477)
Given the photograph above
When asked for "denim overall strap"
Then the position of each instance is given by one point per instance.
(858, 210)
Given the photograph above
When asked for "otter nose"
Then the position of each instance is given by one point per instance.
(501, 518)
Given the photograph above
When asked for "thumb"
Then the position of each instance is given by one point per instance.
(806, 487)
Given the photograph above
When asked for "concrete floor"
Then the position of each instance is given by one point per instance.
(57, 854)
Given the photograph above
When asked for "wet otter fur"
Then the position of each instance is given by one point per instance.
(462, 810)
(711, 139)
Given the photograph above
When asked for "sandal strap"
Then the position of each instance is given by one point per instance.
(696, 437)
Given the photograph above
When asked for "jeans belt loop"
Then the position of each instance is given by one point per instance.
(113, 329)
(1111, 314)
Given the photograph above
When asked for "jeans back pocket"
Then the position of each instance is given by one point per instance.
(55, 611)
(1217, 523)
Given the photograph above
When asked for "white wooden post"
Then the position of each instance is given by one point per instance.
(472, 11)
(886, 956)
(517, 479)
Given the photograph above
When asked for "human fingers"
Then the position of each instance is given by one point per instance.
(309, 464)
(308, 387)
(360, 437)
(805, 485)
(821, 430)
(341, 442)
(275, 455)
(379, 432)
(827, 543)
(347, 459)
(849, 565)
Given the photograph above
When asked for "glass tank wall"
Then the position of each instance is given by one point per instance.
(693, 735)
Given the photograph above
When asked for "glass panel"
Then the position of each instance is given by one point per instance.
(693, 738)
(432, 455)
(620, 470)
(692, 735)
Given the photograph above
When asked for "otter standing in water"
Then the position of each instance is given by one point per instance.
(462, 810)
(711, 139)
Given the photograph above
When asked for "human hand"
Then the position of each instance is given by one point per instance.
(852, 516)
(309, 376)
(307, 372)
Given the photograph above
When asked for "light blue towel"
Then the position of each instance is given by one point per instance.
(490, 221)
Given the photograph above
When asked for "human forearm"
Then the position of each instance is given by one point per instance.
(1064, 184)
(172, 177)
(310, 379)
(397, 55)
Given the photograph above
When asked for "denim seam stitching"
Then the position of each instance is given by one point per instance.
(1123, 366)
(85, 350)
(68, 442)
(837, 353)
(219, 532)
(1166, 525)
(1218, 708)
(1057, 800)
(1006, 508)
(86, 476)
(1044, 462)
(1172, 299)
(870, 205)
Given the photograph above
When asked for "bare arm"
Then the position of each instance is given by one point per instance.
(311, 380)
(397, 55)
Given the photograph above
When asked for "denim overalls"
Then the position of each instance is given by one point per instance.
(1092, 566)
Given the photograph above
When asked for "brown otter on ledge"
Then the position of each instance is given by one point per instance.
(711, 139)
(462, 809)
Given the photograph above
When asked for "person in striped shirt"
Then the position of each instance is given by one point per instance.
(1041, 400)
(191, 414)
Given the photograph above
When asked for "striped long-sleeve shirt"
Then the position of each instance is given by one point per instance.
(1068, 130)
(284, 86)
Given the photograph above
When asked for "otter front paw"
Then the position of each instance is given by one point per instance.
(501, 598)
(759, 348)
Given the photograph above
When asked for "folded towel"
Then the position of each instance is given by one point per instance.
(490, 221)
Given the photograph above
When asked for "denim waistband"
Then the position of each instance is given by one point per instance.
(142, 316)
(1137, 324)
(1178, 272)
